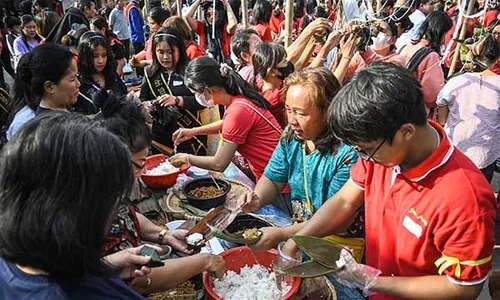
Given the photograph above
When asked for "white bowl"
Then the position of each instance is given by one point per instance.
(175, 224)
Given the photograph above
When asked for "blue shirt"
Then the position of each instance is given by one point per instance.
(15, 284)
(326, 172)
(119, 24)
(22, 116)
(136, 26)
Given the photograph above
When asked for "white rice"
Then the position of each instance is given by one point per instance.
(255, 283)
(163, 169)
(194, 238)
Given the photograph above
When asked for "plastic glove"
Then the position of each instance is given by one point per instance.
(356, 275)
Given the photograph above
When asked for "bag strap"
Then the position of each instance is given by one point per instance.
(260, 114)
(417, 58)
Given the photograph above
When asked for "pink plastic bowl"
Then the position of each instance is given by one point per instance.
(160, 181)
(237, 258)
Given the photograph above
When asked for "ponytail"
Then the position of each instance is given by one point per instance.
(236, 85)
(22, 94)
(204, 72)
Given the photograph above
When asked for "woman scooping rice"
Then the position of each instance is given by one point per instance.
(163, 91)
(97, 71)
(66, 211)
(127, 119)
(249, 127)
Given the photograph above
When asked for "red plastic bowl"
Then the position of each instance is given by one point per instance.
(160, 181)
(237, 258)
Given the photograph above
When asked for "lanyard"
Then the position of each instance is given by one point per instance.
(166, 83)
(309, 206)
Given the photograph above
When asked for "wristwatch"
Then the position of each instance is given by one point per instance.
(161, 236)
(177, 100)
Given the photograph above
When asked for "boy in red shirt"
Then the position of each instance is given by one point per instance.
(430, 215)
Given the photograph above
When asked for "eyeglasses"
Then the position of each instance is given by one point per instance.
(495, 33)
(364, 155)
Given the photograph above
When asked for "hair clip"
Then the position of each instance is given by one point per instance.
(224, 69)
(165, 34)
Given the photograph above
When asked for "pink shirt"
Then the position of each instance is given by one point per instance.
(429, 72)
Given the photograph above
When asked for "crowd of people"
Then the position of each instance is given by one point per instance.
(369, 125)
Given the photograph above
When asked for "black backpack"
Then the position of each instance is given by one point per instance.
(417, 58)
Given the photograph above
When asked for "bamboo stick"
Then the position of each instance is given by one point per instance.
(179, 7)
(288, 22)
(244, 13)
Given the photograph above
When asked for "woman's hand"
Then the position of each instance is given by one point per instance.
(251, 202)
(131, 263)
(270, 237)
(167, 100)
(214, 264)
(179, 159)
(333, 39)
(318, 26)
(290, 248)
(349, 47)
(182, 134)
(148, 105)
(176, 239)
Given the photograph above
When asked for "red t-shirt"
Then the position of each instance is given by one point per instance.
(194, 50)
(255, 137)
(264, 32)
(147, 53)
(489, 16)
(444, 207)
(275, 22)
(273, 96)
(226, 37)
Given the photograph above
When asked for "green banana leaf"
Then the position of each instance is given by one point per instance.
(235, 237)
(191, 209)
(320, 250)
(309, 269)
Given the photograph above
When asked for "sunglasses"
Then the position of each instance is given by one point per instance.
(364, 155)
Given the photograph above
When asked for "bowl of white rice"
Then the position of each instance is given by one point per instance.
(249, 276)
(159, 173)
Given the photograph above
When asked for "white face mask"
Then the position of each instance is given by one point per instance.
(381, 41)
(203, 101)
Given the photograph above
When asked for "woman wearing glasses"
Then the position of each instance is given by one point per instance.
(215, 42)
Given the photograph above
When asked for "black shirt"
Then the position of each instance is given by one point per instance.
(88, 103)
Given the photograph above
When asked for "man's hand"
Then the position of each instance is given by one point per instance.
(130, 262)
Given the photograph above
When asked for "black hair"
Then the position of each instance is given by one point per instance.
(82, 4)
(171, 36)
(72, 38)
(490, 51)
(310, 6)
(266, 56)
(100, 23)
(25, 20)
(47, 62)
(204, 72)
(375, 103)
(434, 28)
(401, 15)
(60, 181)
(41, 3)
(26, 7)
(73, 19)
(10, 22)
(126, 118)
(262, 11)
(89, 42)
(45, 21)
(235, 6)
(159, 15)
(240, 43)
(421, 2)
